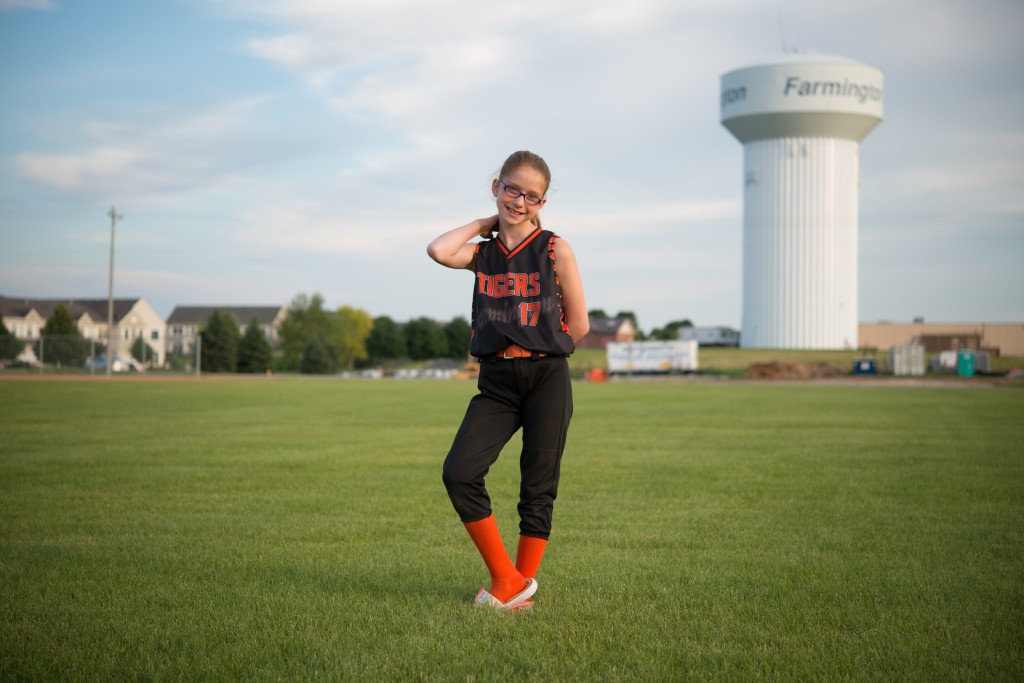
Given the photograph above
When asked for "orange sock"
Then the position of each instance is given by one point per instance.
(529, 555)
(506, 580)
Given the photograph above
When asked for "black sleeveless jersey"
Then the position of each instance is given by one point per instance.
(517, 298)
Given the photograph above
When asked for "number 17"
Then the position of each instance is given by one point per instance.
(529, 313)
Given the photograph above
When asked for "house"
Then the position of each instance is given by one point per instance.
(133, 319)
(184, 323)
(604, 330)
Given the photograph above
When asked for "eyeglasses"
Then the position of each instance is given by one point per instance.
(513, 193)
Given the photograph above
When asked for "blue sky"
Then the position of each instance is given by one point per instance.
(259, 149)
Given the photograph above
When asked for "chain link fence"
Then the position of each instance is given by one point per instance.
(74, 354)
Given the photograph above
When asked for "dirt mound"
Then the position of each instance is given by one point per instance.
(776, 370)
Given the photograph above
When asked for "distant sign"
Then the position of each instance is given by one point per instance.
(652, 356)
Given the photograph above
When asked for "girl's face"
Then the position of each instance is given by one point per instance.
(526, 182)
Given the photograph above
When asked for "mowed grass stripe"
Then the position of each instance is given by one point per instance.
(298, 529)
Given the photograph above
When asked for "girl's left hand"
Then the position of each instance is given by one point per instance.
(488, 226)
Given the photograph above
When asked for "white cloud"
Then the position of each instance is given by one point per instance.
(71, 172)
(292, 50)
(146, 156)
(448, 80)
(321, 231)
(438, 83)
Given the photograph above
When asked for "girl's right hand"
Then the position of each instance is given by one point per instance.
(456, 248)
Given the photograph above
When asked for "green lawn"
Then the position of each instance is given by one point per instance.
(297, 529)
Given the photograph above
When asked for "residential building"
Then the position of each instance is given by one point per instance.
(604, 330)
(133, 318)
(185, 322)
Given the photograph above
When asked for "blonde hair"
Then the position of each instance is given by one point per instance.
(522, 158)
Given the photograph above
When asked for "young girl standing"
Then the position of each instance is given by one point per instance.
(528, 313)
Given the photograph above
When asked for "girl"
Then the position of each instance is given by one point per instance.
(528, 313)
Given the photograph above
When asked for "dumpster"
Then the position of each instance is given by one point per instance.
(965, 363)
(865, 366)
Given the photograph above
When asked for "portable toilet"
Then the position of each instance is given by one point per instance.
(965, 363)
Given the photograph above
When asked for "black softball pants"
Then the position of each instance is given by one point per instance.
(532, 393)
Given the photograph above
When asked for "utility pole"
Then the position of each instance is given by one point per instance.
(114, 218)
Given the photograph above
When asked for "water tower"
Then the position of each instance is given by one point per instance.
(801, 119)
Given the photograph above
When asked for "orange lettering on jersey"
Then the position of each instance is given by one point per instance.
(508, 284)
(521, 279)
(534, 284)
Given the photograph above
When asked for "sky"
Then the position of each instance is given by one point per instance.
(261, 149)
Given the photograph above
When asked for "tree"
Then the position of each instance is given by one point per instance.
(671, 330)
(10, 347)
(60, 322)
(142, 351)
(318, 358)
(424, 339)
(386, 340)
(254, 354)
(457, 334)
(597, 313)
(306, 320)
(219, 343)
(61, 341)
(354, 326)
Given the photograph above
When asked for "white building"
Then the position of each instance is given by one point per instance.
(133, 318)
(710, 336)
(185, 322)
(801, 118)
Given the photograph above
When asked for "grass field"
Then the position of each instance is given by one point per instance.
(297, 529)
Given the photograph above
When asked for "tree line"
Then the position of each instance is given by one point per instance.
(669, 332)
(311, 340)
(314, 340)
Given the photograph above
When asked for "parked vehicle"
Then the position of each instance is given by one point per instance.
(18, 362)
(121, 364)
